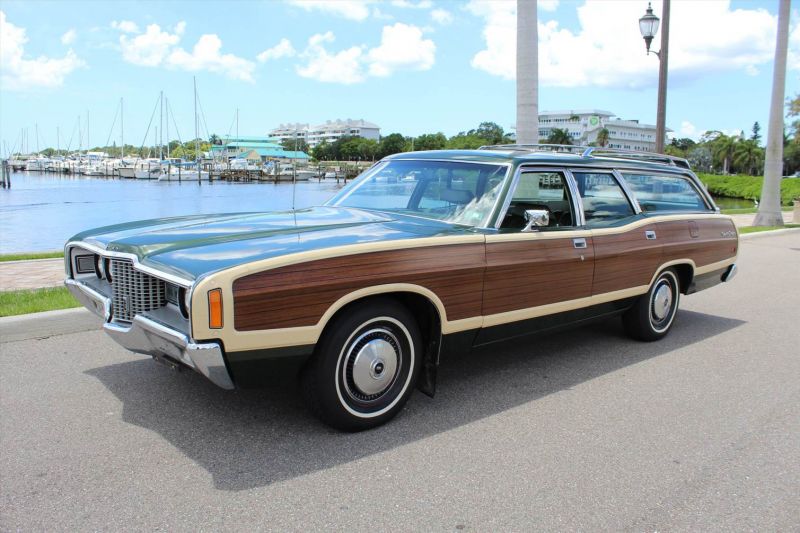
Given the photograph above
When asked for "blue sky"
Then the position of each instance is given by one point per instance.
(409, 66)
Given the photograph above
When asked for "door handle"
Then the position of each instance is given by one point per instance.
(650, 235)
(579, 243)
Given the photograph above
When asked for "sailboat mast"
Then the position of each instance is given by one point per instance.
(87, 132)
(161, 125)
(196, 133)
(122, 128)
(167, 128)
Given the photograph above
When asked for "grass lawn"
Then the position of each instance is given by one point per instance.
(748, 210)
(756, 229)
(29, 256)
(748, 187)
(36, 300)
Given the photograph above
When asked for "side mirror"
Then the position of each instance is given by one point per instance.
(536, 218)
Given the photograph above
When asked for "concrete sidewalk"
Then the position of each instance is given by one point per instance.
(18, 275)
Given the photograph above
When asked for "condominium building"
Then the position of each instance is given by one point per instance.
(583, 126)
(329, 131)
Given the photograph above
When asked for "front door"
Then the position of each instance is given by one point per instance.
(538, 273)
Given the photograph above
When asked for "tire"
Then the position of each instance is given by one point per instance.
(364, 367)
(652, 315)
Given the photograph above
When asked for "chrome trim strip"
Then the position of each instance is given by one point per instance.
(577, 202)
(570, 182)
(152, 338)
(637, 209)
(183, 282)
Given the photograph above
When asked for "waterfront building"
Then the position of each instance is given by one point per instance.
(583, 126)
(328, 131)
(267, 148)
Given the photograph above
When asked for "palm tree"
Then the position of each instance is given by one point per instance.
(602, 137)
(559, 136)
(748, 156)
(527, 73)
(723, 148)
(769, 210)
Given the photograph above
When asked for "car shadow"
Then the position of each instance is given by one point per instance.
(252, 438)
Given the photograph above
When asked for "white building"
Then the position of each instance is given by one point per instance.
(583, 125)
(328, 131)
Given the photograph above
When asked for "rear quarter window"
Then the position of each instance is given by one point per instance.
(663, 193)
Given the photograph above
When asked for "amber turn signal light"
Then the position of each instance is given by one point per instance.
(215, 309)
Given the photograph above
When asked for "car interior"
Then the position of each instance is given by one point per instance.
(546, 191)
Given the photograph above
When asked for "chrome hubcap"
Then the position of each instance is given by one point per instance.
(662, 301)
(372, 364)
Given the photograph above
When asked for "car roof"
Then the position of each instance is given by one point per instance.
(501, 155)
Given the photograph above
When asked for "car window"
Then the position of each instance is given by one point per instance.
(656, 192)
(604, 201)
(546, 191)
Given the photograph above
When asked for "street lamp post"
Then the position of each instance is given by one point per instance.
(648, 26)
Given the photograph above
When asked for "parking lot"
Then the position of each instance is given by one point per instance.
(584, 429)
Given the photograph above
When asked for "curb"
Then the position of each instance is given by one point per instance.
(47, 324)
(18, 261)
(769, 233)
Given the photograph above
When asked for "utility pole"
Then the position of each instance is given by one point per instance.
(527, 73)
(769, 209)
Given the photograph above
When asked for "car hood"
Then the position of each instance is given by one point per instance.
(191, 246)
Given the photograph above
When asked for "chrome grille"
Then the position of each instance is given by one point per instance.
(134, 292)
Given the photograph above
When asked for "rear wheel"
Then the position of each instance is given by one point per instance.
(364, 366)
(652, 315)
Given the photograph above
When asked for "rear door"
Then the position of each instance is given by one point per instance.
(626, 247)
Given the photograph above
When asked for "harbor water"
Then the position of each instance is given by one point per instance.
(41, 211)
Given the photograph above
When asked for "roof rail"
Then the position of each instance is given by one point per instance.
(594, 151)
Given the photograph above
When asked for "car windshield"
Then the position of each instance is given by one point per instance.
(451, 191)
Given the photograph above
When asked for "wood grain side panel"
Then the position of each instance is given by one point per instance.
(298, 295)
(531, 273)
(625, 260)
(708, 247)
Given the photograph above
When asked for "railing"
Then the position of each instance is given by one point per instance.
(594, 151)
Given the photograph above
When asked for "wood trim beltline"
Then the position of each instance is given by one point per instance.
(298, 295)
(292, 298)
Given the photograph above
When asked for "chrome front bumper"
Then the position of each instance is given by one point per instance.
(153, 338)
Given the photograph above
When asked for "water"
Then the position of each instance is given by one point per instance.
(724, 202)
(41, 211)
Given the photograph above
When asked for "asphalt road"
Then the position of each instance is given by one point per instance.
(581, 430)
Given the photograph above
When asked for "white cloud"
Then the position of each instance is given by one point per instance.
(283, 49)
(341, 67)
(159, 48)
(69, 36)
(689, 130)
(407, 4)
(349, 9)
(441, 16)
(607, 50)
(148, 49)
(548, 5)
(125, 26)
(18, 73)
(402, 47)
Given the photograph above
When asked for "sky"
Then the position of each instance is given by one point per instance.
(411, 66)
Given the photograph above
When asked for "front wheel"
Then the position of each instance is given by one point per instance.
(364, 366)
(652, 315)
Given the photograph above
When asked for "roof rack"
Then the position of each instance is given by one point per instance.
(594, 151)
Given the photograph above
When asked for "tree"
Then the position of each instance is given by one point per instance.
(722, 148)
(602, 137)
(490, 131)
(748, 156)
(756, 136)
(527, 72)
(700, 158)
(430, 141)
(559, 136)
(214, 139)
(322, 151)
(291, 145)
(769, 209)
(464, 141)
(393, 143)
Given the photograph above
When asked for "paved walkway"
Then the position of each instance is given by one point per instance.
(17, 275)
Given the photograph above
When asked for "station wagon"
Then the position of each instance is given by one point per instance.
(424, 254)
